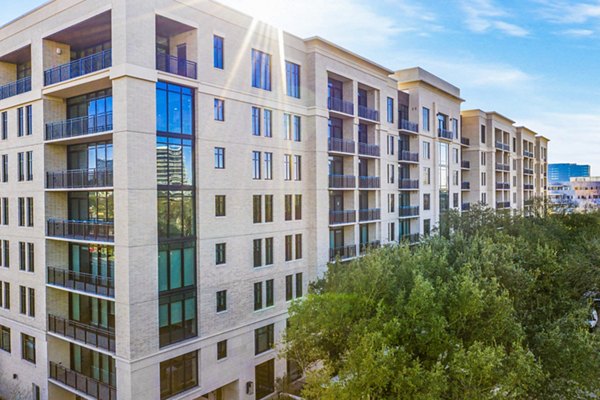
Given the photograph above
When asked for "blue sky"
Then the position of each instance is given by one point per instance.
(536, 61)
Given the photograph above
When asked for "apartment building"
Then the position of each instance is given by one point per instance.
(174, 173)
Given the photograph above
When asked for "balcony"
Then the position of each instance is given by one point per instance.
(502, 167)
(80, 67)
(94, 231)
(80, 126)
(178, 66)
(502, 146)
(366, 149)
(336, 145)
(528, 171)
(342, 217)
(82, 383)
(465, 141)
(445, 134)
(15, 88)
(90, 335)
(528, 202)
(82, 282)
(407, 156)
(465, 185)
(340, 105)
(465, 164)
(408, 211)
(465, 206)
(80, 179)
(369, 182)
(528, 186)
(371, 214)
(364, 247)
(342, 181)
(409, 126)
(410, 238)
(408, 184)
(502, 186)
(343, 253)
(527, 153)
(368, 113)
(502, 204)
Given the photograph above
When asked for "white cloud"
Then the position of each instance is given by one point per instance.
(569, 12)
(578, 32)
(484, 15)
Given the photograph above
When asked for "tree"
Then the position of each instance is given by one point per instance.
(493, 310)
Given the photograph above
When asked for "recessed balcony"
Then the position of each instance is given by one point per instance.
(84, 384)
(369, 182)
(76, 68)
(366, 149)
(445, 134)
(80, 126)
(464, 164)
(343, 252)
(14, 88)
(408, 184)
(410, 238)
(79, 179)
(81, 282)
(465, 206)
(502, 146)
(408, 126)
(502, 186)
(340, 105)
(342, 217)
(342, 181)
(335, 145)
(15, 72)
(502, 167)
(465, 185)
(528, 186)
(368, 113)
(502, 204)
(465, 141)
(178, 66)
(408, 156)
(374, 244)
(92, 231)
(408, 211)
(83, 333)
(370, 214)
(528, 171)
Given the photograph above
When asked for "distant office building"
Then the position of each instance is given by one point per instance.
(564, 172)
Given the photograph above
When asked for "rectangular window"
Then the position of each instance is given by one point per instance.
(454, 123)
(20, 122)
(392, 232)
(4, 168)
(455, 156)
(455, 200)
(288, 248)
(288, 207)
(268, 121)
(4, 335)
(221, 350)
(268, 166)
(391, 202)
(257, 209)
(255, 121)
(264, 375)
(256, 165)
(178, 374)
(258, 297)
(426, 150)
(30, 211)
(21, 167)
(268, 208)
(257, 252)
(269, 251)
(220, 253)
(455, 178)
(7, 295)
(289, 294)
(483, 179)
(219, 158)
(28, 348)
(5, 254)
(297, 128)
(426, 201)
(22, 256)
(390, 110)
(23, 300)
(29, 118)
(426, 175)
(263, 339)
(219, 110)
(287, 167)
(29, 163)
(298, 239)
(390, 145)
(482, 133)
(220, 205)
(221, 300)
(21, 211)
(261, 70)
(426, 227)
(292, 74)
(269, 297)
(287, 126)
(4, 219)
(30, 258)
(297, 168)
(218, 52)
(483, 159)
(299, 284)
(4, 125)
(31, 309)
(298, 207)
(426, 119)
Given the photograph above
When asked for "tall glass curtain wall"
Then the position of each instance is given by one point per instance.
(176, 213)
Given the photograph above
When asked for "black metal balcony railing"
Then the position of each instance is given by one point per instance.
(465, 141)
(91, 335)
(465, 185)
(366, 149)
(528, 171)
(177, 66)
(83, 383)
(81, 281)
(369, 182)
(14, 88)
(528, 186)
(343, 253)
(503, 204)
(411, 238)
(464, 164)
(502, 167)
(79, 178)
(82, 230)
(405, 155)
(368, 113)
(74, 127)
(408, 211)
(407, 125)
(342, 217)
(341, 145)
(528, 153)
(502, 186)
(445, 134)
(340, 105)
(371, 214)
(408, 184)
(342, 181)
(79, 67)
(374, 244)
(465, 206)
